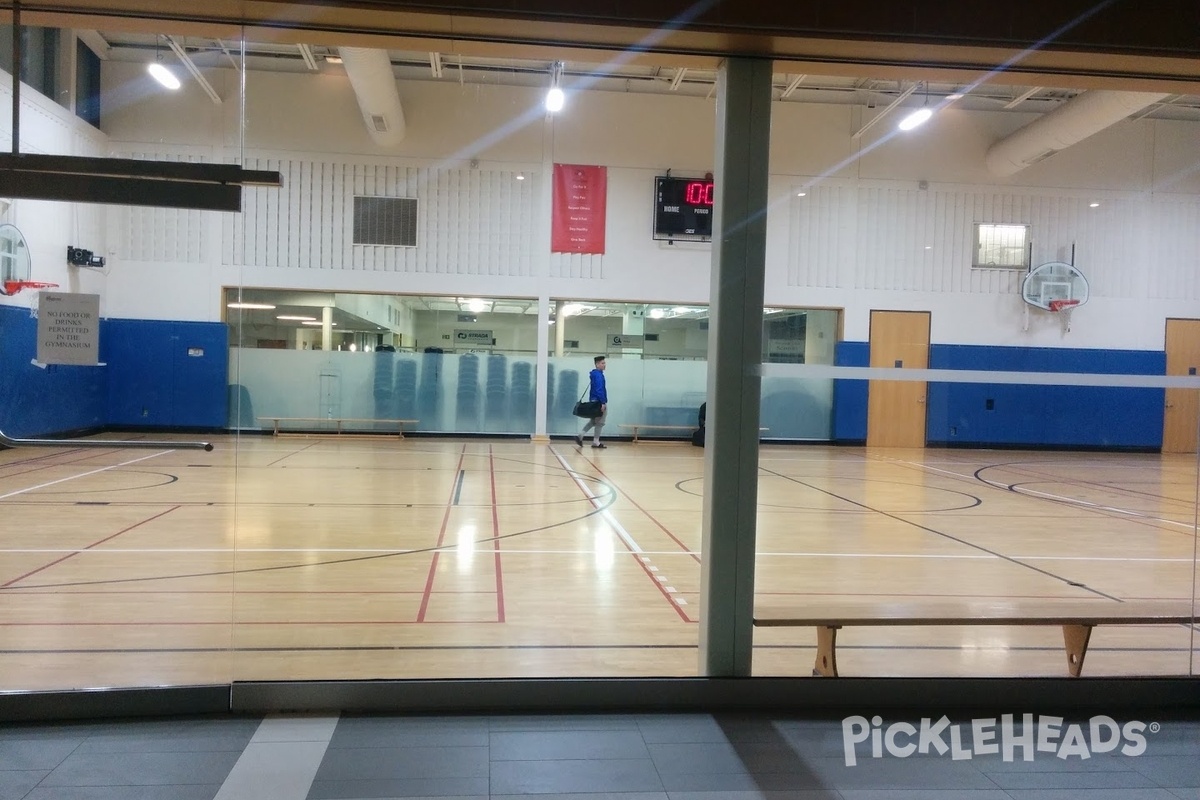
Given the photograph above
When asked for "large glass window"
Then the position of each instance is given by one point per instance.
(386, 349)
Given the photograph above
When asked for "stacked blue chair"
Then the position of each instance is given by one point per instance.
(495, 394)
(467, 396)
(521, 402)
(406, 389)
(429, 390)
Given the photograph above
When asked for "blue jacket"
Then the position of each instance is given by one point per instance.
(598, 392)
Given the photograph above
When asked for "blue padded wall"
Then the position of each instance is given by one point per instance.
(850, 397)
(166, 374)
(1057, 416)
(37, 401)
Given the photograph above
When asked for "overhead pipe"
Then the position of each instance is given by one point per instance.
(370, 73)
(1075, 120)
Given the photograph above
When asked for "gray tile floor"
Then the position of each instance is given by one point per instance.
(590, 757)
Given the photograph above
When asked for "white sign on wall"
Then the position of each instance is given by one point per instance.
(68, 328)
(473, 337)
(616, 340)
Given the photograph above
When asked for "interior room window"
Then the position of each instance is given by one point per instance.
(1001, 246)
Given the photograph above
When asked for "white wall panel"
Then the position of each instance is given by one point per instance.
(469, 221)
(1172, 251)
(870, 237)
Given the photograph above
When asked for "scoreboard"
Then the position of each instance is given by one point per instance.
(683, 208)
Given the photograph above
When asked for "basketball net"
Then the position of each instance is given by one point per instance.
(1064, 307)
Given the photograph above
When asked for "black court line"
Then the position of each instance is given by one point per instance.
(1129, 515)
(571, 647)
(975, 500)
(289, 455)
(458, 484)
(950, 537)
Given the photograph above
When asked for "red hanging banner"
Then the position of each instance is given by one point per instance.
(577, 217)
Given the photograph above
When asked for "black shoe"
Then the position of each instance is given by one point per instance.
(599, 447)
(578, 441)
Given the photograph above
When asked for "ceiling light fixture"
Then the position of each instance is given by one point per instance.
(293, 318)
(259, 306)
(520, 176)
(159, 72)
(317, 322)
(1093, 205)
(918, 117)
(555, 99)
(476, 306)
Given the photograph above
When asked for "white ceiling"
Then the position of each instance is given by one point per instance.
(614, 76)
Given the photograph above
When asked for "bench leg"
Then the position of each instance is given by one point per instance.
(826, 651)
(1076, 638)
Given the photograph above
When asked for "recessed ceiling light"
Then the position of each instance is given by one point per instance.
(955, 96)
(520, 176)
(261, 306)
(555, 99)
(1093, 205)
(317, 322)
(801, 194)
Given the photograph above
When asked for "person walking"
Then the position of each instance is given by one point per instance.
(597, 393)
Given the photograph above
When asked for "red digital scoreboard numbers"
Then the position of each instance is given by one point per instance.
(683, 208)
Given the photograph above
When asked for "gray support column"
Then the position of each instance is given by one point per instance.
(734, 367)
(326, 328)
(541, 401)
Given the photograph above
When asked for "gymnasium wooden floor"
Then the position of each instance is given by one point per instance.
(325, 558)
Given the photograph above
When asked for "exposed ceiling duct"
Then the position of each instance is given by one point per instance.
(1073, 121)
(370, 73)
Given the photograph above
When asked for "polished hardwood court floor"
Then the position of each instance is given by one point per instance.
(372, 557)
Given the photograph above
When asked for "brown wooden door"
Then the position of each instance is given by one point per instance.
(896, 409)
(1182, 413)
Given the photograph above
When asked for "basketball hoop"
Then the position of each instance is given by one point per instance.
(1065, 307)
(12, 287)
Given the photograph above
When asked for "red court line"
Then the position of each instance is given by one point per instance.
(496, 538)
(433, 564)
(670, 535)
(89, 547)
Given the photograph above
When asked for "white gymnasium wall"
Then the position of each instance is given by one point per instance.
(857, 240)
(50, 228)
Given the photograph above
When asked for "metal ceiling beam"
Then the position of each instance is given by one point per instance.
(899, 99)
(125, 181)
(225, 49)
(310, 60)
(435, 64)
(792, 86)
(1023, 96)
(193, 69)
(678, 79)
(95, 42)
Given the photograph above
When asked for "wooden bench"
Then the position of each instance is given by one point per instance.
(636, 425)
(1077, 618)
(399, 423)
